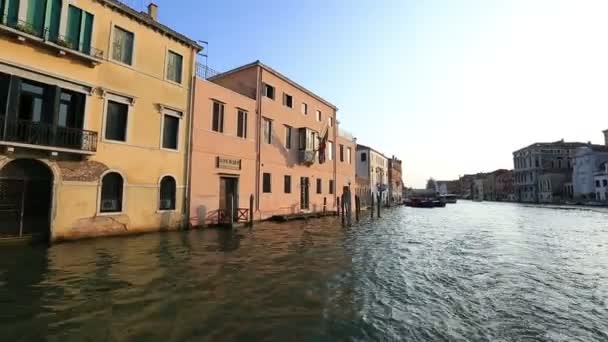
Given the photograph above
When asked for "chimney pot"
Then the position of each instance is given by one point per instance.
(153, 11)
(605, 137)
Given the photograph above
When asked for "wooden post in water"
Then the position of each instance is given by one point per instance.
(231, 211)
(357, 208)
(342, 206)
(372, 206)
(338, 208)
(251, 210)
(324, 205)
(379, 204)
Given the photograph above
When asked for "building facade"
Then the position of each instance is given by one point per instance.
(537, 159)
(271, 139)
(504, 186)
(587, 162)
(601, 183)
(373, 166)
(395, 181)
(94, 127)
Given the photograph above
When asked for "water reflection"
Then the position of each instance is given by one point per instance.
(474, 271)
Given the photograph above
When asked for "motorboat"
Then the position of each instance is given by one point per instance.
(449, 198)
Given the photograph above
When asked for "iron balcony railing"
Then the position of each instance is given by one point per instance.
(205, 72)
(45, 34)
(42, 134)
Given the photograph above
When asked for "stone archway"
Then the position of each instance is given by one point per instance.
(26, 199)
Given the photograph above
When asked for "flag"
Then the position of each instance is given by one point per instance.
(323, 146)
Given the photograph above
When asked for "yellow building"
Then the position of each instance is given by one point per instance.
(95, 104)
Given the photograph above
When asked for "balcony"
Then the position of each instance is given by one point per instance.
(62, 44)
(23, 133)
(307, 157)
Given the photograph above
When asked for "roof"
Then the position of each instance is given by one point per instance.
(146, 19)
(363, 147)
(558, 144)
(276, 73)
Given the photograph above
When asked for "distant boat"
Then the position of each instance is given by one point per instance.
(420, 203)
(449, 198)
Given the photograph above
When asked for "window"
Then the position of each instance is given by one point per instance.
(331, 121)
(116, 121)
(174, 67)
(348, 157)
(319, 185)
(71, 109)
(341, 153)
(331, 186)
(287, 185)
(111, 193)
(304, 108)
(167, 193)
(597, 183)
(605, 183)
(171, 130)
(269, 91)
(363, 157)
(79, 29)
(288, 137)
(287, 100)
(218, 117)
(267, 131)
(266, 183)
(31, 102)
(241, 124)
(319, 116)
(122, 46)
(330, 150)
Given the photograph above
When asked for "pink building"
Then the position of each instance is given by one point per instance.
(257, 133)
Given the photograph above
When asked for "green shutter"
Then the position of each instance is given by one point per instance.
(54, 19)
(86, 33)
(13, 12)
(2, 11)
(36, 11)
(73, 30)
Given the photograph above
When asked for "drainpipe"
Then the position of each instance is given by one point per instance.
(258, 146)
(186, 209)
(336, 144)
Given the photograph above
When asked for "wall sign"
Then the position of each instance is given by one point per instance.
(227, 163)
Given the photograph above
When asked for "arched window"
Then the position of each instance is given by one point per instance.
(111, 193)
(167, 193)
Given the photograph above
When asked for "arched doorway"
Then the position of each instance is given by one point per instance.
(26, 188)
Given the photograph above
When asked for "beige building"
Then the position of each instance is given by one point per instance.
(94, 116)
(265, 139)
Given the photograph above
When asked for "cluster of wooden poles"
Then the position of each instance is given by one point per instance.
(345, 208)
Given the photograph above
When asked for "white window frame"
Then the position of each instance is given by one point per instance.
(349, 155)
(124, 194)
(264, 120)
(331, 121)
(180, 116)
(167, 52)
(111, 46)
(160, 179)
(246, 128)
(304, 108)
(214, 101)
(319, 115)
(290, 130)
(274, 90)
(119, 99)
(285, 96)
(330, 154)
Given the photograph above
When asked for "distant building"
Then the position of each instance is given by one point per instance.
(373, 166)
(466, 186)
(477, 192)
(448, 187)
(587, 161)
(504, 186)
(601, 183)
(538, 159)
(395, 181)
(551, 187)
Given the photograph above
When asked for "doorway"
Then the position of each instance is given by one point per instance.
(229, 194)
(304, 193)
(26, 188)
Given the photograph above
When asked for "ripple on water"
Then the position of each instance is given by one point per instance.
(470, 272)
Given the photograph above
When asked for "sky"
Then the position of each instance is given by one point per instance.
(448, 86)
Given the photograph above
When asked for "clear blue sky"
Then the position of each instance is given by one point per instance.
(449, 86)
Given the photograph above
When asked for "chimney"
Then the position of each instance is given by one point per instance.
(153, 11)
(606, 137)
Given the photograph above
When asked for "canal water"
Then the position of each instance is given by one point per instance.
(469, 272)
